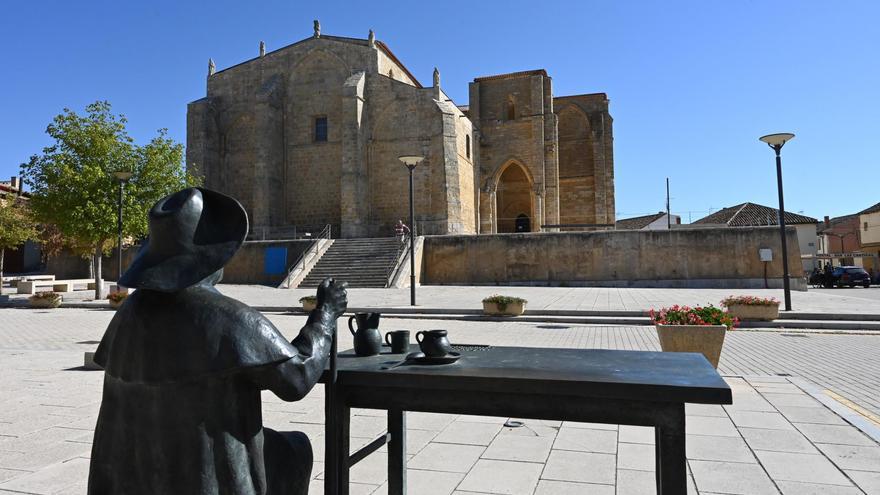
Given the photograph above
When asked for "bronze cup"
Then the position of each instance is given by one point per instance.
(398, 340)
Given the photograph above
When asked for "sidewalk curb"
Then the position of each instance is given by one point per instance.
(848, 414)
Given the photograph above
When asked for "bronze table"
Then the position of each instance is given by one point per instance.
(585, 385)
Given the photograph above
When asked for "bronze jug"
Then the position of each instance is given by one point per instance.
(367, 339)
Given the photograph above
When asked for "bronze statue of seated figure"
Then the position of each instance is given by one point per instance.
(185, 367)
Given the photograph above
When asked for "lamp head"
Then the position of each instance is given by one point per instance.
(122, 175)
(779, 139)
(411, 160)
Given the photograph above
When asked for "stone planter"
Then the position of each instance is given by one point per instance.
(754, 312)
(512, 309)
(309, 305)
(705, 339)
(45, 302)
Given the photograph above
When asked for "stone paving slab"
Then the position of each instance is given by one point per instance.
(775, 438)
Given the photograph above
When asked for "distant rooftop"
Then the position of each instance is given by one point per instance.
(838, 222)
(355, 41)
(597, 96)
(513, 75)
(753, 215)
(637, 223)
(870, 209)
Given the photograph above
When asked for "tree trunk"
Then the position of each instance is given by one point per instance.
(99, 279)
(2, 255)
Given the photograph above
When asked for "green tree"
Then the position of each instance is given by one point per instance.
(73, 187)
(16, 227)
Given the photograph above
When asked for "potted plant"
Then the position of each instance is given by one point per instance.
(752, 307)
(117, 298)
(699, 329)
(499, 305)
(47, 299)
(309, 303)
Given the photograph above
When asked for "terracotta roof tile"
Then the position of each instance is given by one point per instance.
(637, 223)
(753, 215)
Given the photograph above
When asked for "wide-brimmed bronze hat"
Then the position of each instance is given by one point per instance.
(193, 233)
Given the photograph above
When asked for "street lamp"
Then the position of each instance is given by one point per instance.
(776, 141)
(122, 177)
(411, 161)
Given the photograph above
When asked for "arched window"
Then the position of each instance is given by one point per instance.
(511, 109)
(467, 145)
(320, 129)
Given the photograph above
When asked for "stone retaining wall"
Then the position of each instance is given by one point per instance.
(699, 258)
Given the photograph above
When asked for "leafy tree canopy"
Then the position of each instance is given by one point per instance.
(73, 187)
(16, 224)
(16, 227)
(72, 183)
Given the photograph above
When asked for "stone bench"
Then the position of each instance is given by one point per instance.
(31, 286)
(18, 278)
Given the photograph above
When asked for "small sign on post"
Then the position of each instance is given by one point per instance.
(766, 254)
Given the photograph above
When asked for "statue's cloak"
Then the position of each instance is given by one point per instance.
(181, 407)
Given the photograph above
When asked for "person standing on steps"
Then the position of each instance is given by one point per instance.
(402, 231)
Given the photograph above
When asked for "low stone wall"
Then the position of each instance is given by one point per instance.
(263, 262)
(257, 262)
(698, 258)
(67, 265)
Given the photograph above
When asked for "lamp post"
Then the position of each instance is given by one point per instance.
(122, 177)
(411, 161)
(776, 141)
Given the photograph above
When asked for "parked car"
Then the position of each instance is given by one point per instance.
(849, 275)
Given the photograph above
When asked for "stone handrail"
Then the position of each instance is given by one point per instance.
(297, 270)
(398, 261)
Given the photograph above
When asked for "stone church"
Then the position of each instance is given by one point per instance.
(310, 135)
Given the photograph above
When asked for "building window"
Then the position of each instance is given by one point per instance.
(467, 146)
(320, 129)
(866, 226)
(511, 109)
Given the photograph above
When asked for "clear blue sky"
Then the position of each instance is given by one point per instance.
(692, 84)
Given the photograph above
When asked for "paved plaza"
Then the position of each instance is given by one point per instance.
(854, 301)
(783, 434)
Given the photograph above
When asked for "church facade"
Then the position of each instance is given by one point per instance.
(310, 135)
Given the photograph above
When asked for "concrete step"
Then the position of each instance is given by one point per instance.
(343, 278)
(349, 273)
(817, 324)
(360, 262)
(795, 315)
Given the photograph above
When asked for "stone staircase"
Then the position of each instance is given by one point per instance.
(360, 262)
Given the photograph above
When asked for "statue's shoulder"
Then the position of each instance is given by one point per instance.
(215, 332)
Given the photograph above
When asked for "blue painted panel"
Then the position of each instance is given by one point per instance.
(275, 260)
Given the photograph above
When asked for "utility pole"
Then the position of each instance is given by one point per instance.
(668, 218)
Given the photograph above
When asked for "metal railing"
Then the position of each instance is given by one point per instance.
(309, 253)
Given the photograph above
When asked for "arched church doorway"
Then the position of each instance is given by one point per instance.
(514, 200)
(523, 224)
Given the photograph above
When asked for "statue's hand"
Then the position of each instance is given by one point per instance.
(332, 297)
